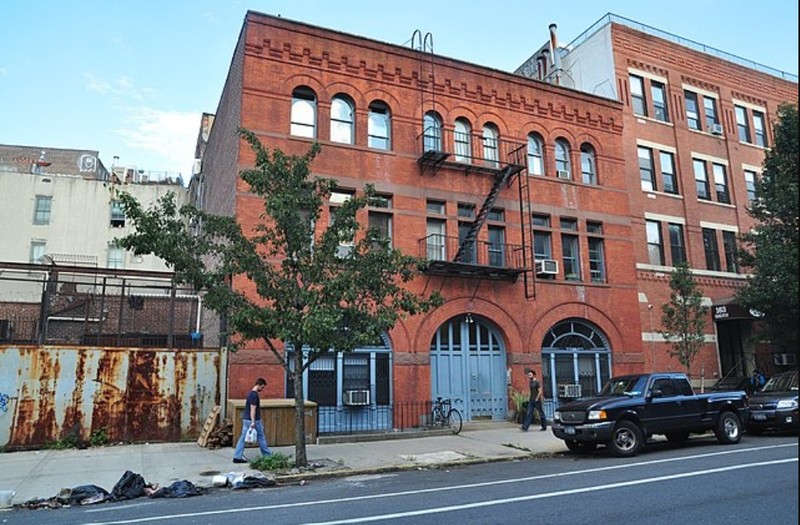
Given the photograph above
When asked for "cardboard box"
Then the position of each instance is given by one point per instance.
(277, 416)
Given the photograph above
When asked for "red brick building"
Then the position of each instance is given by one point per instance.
(524, 194)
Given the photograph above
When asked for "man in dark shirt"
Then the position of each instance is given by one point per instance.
(535, 401)
(252, 419)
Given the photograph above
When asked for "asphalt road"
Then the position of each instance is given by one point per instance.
(755, 481)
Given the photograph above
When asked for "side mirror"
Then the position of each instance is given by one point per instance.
(655, 392)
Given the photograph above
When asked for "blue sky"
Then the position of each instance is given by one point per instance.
(131, 78)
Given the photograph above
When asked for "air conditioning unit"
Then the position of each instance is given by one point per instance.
(563, 174)
(546, 267)
(197, 167)
(569, 390)
(784, 359)
(356, 397)
(716, 129)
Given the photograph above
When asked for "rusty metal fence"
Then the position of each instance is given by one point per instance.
(56, 305)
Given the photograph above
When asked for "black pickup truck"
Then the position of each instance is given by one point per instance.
(631, 408)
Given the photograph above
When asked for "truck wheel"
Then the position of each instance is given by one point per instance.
(580, 447)
(677, 438)
(626, 440)
(728, 429)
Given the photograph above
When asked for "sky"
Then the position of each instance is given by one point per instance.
(131, 78)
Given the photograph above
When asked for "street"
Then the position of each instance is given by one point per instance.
(755, 481)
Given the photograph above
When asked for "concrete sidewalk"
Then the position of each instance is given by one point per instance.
(41, 474)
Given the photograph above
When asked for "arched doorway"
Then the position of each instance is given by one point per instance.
(468, 364)
(576, 361)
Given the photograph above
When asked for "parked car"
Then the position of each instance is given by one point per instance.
(775, 406)
(631, 408)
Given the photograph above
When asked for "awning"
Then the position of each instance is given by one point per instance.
(729, 310)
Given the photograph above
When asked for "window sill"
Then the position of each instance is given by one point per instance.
(715, 203)
(653, 194)
(644, 120)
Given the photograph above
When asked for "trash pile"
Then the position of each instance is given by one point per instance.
(129, 486)
(240, 480)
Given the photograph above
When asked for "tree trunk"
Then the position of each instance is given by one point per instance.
(300, 458)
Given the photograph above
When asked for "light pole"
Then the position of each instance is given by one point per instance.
(652, 338)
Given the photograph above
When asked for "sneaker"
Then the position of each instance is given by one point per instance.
(523, 429)
(543, 429)
(239, 460)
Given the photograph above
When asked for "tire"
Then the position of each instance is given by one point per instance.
(626, 440)
(454, 420)
(580, 447)
(728, 428)
(677, 438)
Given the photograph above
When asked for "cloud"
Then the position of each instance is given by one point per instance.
(121, 88)
(168, 135)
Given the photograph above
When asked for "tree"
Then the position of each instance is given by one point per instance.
(684, 317)
(286, 281)
(769, 250)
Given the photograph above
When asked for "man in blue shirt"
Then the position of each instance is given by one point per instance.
(252, 419)
(535, 402)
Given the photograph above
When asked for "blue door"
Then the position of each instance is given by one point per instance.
(468, 365)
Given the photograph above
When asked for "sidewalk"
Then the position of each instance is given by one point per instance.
(41, 474)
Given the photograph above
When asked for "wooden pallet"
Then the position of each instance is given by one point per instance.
(208, 427)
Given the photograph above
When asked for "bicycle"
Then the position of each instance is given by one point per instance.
(444, 415)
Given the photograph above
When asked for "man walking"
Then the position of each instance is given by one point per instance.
(252, 419)
(535, 401)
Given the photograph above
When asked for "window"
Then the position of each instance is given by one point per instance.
(41, 211)
(535, 155)
(655, 245)
(701, 180)
(115, 257)
(37, 250)
(677, 244)
(435, 229)
(496, 246)
(588, 171)
(668, 178)
(432, 132)
(659, 93)
(710, 109)
(336, 199)
(342, 125)
(711, 249)
(542, 241)
(571, 257)
(490, 153)
(466, 210)
(692, 110)
(496, 214)
(542, 221)
(468, 254)
(637, 96)
(721, 183)
(750, 185)
(729, 246)
(646, 169)
(562, 160)
(597, 265)
(304, 113)
(379, 126)
(117, 214)
(436, 207)
(569, 224)
(383, 223)
(461, 137)
(759, 129)
(742, 125)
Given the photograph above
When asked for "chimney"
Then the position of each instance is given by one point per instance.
(555, 55)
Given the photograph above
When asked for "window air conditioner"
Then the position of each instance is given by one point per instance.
(197, 166)
(716, 129)
(546, 267)
(569, 390)
(784, 359)
(356, 397)
(563, 174)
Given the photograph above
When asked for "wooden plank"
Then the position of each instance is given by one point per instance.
(208, 426)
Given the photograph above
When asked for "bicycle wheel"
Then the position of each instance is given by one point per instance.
(454, 420)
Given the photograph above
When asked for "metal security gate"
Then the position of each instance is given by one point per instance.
(468, 364)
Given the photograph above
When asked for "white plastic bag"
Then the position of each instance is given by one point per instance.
(251, 436)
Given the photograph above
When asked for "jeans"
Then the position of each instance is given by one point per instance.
(262, 439)
(529, 415)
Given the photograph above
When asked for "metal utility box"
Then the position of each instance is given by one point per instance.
(278, 418)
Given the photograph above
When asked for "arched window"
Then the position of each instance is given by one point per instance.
(535, 155)
(462, 140)
(379, 126)
(588, 164)
(304, 113)
(563, 169)
(432, 131)
(490, 136)
(342, 119)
